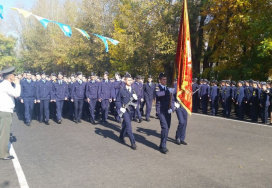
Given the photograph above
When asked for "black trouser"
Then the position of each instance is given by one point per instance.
(78, 103)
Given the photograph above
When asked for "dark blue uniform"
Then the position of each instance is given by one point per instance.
(240, 102)
(254, 103)
(104, 93)
(214, 97)
(204, 92)
(264, 103)
(28, 95)
(117, 85)
(149, 95)
(77, 95)
(43, 94)
(70, 103)
(123, 97)
(195, 98)
(162, 107)
(138, 88)
(182, 116)
(92, 88)
(221, 95)
(227, 98)
(59, 94)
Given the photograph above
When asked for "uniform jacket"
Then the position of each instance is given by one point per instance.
(92, 90)
(149, 91)
(163, 100)
(28, 90)
(105, 90)
(43, 90)
(78, 91)
(59, 91)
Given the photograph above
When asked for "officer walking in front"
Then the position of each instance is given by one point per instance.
(59, 95)
(28, 97)
(182, 116)
(43, 95)
(124, 96)
(163, 100)
(92, 88)
(149, 95)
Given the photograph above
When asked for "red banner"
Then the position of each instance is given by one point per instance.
(184, 62)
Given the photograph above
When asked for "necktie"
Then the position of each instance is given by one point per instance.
(149, 84)
(61, 82)
(80, 82)
(106, 81)
(43, 81)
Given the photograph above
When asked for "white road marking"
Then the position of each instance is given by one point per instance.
(217, 117)
(245, 122)
(20, 174)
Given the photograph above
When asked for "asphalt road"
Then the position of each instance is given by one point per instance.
(220, 153)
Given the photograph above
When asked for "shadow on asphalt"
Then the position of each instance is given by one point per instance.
(110, 134)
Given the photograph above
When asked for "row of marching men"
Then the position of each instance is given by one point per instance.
(126, 95)
(249, 98)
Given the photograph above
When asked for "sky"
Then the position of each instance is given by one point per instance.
(5, 27)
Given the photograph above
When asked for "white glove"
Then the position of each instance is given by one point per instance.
(142, 100)
(170, 111)
(135, 97)
(177, 105)
(171, 90)
(123, 110)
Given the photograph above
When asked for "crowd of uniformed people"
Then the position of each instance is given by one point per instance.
(249, 99)
(56, 96)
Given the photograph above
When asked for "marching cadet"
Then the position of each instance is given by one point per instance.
(28, 97)
(204, 96)
(234, 92)
(70, 103)
(254, 102)
(264, 102)
(59, 95)
(117, 85)
(52, 105)
(240, 100)
(195, 88)
(227, 98)
(214, 97)
(92, 88)
(77, 97)
(270, 96)
(182, 116)
(221, 93)
(98, 102)
(43, 96)
(138, 88)
(163, 100)
(123, 97)
(104, 93)
(149, 95)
